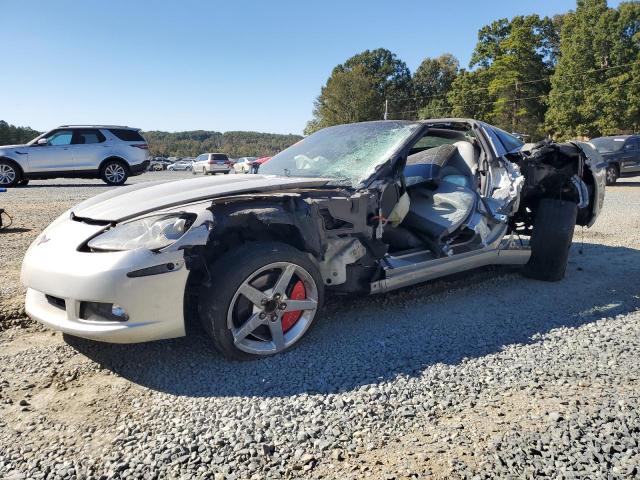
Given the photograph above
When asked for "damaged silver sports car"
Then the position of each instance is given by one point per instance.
(362, 208)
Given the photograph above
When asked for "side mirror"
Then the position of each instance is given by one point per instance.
(42, 141)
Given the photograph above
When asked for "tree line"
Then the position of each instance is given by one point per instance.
(12, 135)
(184, 144)
(234, 144)
(573, 75)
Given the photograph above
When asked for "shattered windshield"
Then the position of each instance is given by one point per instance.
(347, 153)
(607, 144)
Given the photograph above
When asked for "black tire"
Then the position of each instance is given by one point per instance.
(612, 174)
(230, 273)
(10, 174)
(551, 240)
(114, 172)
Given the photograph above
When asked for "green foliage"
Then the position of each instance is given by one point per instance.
(588, 98)
(234, 144)
(509, 54)
(357, 89)
(431, 83)
(469, 95)
(12, 135)
(350, 95)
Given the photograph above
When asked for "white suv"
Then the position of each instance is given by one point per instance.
(212, 163)
(109, 152)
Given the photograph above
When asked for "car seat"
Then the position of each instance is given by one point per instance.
(441, 187)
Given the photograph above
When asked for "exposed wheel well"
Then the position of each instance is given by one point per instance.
(256, 231)
(232, 238)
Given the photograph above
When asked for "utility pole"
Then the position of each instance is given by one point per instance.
(386, 109)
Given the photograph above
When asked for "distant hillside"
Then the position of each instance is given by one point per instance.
(234, 144)
(12, 135)
(185, 144)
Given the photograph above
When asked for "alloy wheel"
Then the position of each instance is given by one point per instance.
(115, 173)
(7, 174)
(273, 308)
(612, 175)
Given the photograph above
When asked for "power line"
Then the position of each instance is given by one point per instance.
(500, 100)
(526, 82)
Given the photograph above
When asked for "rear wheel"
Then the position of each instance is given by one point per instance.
(114, 172)
(551, 240)
(612, 174)
(269, 297)
(9, 174)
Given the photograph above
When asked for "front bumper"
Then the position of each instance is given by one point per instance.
(54, 268)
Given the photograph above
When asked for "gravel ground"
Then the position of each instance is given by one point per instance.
(482, 376)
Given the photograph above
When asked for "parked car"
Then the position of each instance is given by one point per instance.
(158, 164)
(243, 164)
(258, 163)
(212, 163)
(111, 153)
(181, 165)
(362, 208)
(622, 154)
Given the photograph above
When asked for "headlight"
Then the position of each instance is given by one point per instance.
(153, 232)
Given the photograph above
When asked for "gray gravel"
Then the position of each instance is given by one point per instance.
(482, 376)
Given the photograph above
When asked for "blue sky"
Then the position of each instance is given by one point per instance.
(232, 65)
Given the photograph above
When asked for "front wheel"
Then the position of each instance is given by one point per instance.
(553, 229)
(114, 172)
(612, 175)
(269, 296)
(9, 174)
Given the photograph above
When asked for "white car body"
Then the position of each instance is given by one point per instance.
(57, 272)
(78, 151)
(212, 163)
(244, 164)
(181, 165)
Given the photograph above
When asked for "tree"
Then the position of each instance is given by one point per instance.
(595, 86)
(507, 86)
(469, 96)
(12, 135)
(350, 95)
(519, 73)
(431, 84)
(234, 144)
(372, 76)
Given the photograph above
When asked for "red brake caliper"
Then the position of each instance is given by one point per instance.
(289, 319)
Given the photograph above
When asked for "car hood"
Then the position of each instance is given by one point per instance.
(123, 203)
